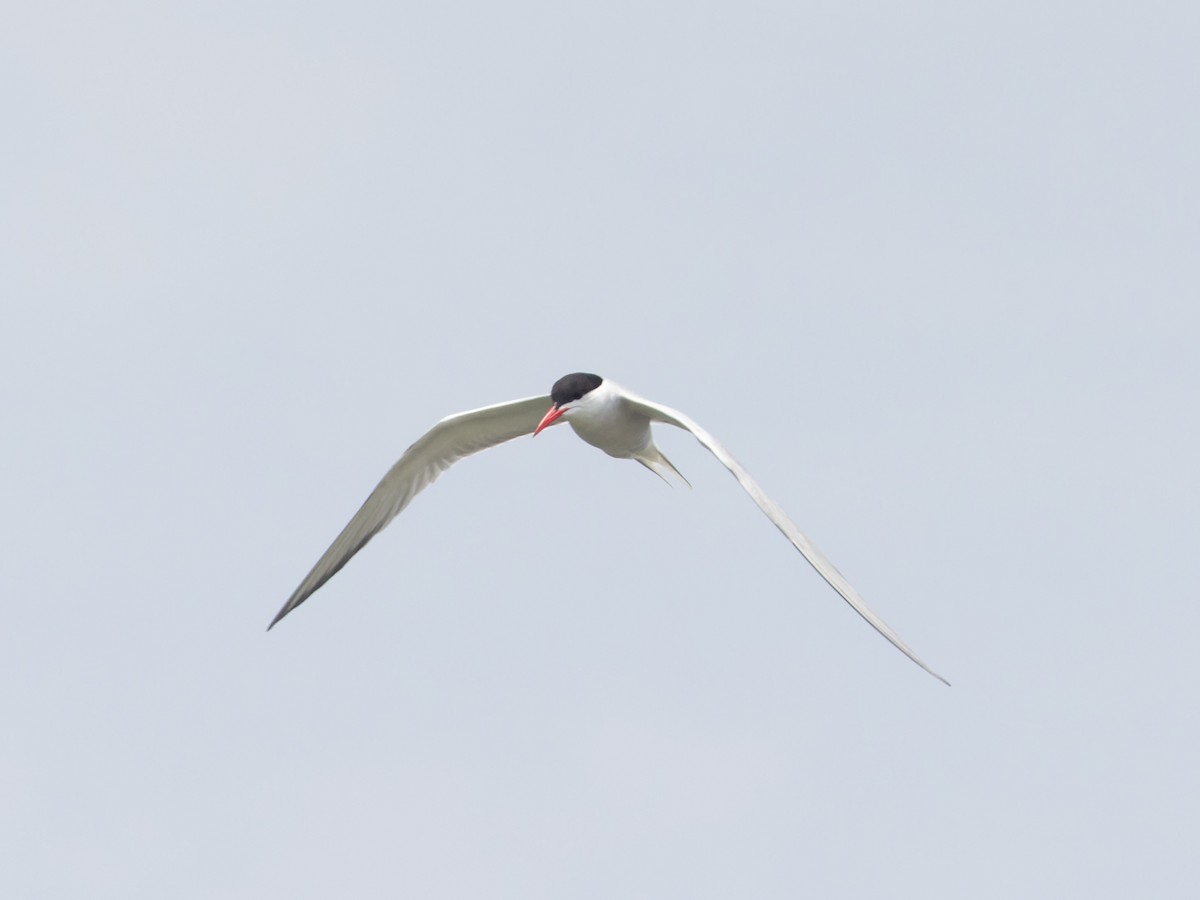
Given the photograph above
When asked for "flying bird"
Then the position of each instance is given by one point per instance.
(602, 413)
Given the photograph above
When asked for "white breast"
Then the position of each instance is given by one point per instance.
(606, 422)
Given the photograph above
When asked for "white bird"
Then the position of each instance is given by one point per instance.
(603, 414)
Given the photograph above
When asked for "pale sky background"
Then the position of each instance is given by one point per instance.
(930, 270)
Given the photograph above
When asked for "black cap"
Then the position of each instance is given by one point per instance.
(573, 386)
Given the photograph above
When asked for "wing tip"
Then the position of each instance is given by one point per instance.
(287, 608)
(921, 663)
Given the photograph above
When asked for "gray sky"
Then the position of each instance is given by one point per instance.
(930, 271)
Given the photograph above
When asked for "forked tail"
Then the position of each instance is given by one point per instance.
(652, 458)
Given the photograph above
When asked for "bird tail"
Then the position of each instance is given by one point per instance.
(652, 458)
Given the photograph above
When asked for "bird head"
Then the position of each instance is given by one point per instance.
(568, 392)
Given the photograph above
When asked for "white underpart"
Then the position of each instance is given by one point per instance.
(602, 418)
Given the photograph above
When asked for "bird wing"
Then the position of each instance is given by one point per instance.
(450, 440)
(815, 557)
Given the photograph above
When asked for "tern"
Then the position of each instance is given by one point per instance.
(606, 416)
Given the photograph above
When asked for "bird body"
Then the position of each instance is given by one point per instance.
(605, 418)
(604, 415)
